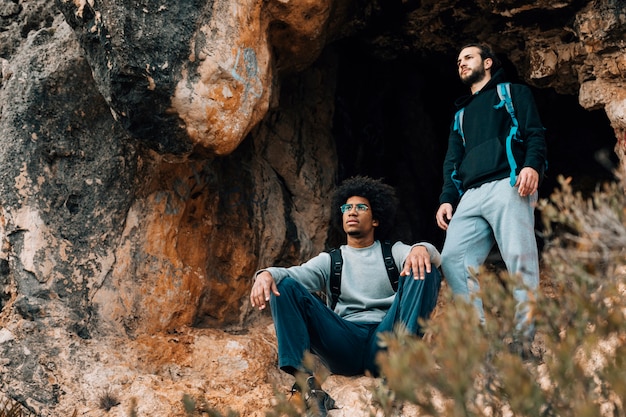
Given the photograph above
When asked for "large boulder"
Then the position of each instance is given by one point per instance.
(154, 155)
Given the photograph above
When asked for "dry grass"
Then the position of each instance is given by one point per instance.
(577, 363)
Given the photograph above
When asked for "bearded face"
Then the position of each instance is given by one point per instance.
(471, 76)
(471, 66)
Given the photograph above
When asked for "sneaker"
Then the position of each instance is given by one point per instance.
(316, 401)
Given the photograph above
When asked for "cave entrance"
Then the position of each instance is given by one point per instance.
(392, 119)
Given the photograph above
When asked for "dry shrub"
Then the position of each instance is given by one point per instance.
(12, 408)
(579, 360)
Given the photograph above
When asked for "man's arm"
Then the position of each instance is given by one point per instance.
(420, 260)
(263, 286)
(313, 275)
(531, 129)
(452, 161)
(527, 181)
(444, 215)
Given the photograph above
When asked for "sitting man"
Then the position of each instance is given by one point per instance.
(344, 333)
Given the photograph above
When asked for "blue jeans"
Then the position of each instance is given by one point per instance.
(304, 323)
(493, 213)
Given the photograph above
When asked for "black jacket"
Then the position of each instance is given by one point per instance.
(483, 157)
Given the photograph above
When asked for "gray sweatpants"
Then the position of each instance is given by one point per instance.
(493, 213)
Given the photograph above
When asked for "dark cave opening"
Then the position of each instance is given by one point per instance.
(392, 120)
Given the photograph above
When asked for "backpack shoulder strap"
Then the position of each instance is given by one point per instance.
(390, 264)
(504, 92)
(458, 123)
(458, 127)
(336, 264)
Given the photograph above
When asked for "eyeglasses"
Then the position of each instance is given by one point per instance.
(359, 207)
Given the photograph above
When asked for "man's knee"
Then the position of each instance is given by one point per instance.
(433, 283)
(428, 286)
(435, 276)
(286, 284)
(289, 290)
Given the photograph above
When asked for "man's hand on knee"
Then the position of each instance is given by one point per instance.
(418, 262)
(264, 285)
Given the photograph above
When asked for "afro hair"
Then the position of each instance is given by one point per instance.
(382, 198)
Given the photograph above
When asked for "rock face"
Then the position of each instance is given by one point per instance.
(155, 154)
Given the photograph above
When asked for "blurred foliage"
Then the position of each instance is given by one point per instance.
(12, 408)
(578, 362)
(199, 407)
(108, 400)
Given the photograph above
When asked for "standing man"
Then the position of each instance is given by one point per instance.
(495, 158)
(345, 336)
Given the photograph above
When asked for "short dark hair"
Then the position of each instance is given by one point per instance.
(381, 196)
(486, 52)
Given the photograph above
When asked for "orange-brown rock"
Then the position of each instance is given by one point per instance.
(155, 154)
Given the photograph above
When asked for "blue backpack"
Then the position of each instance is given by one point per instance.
(504, 92)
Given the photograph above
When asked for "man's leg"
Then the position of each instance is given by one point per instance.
(513, 220)
(469, 240)
(304, 323)
(415, 299)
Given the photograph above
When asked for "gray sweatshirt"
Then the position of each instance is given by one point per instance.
(366, 292)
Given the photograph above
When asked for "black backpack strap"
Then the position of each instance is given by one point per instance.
(390, 265)
(336, 263)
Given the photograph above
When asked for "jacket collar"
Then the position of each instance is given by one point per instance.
(498, 77)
